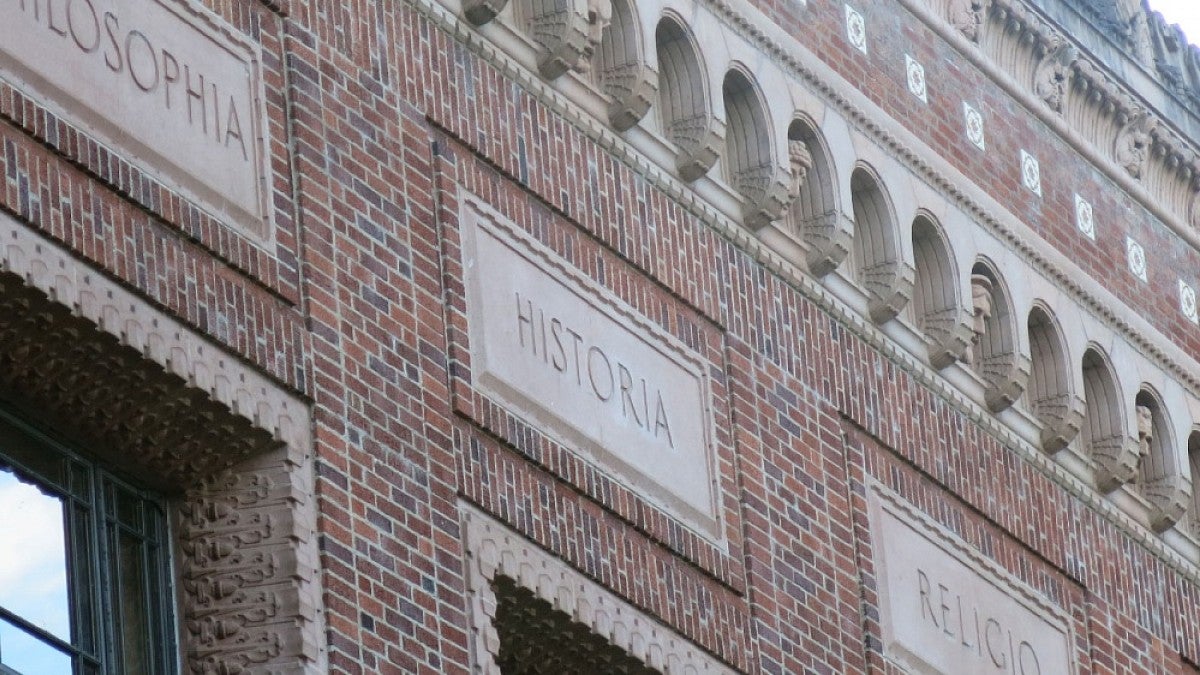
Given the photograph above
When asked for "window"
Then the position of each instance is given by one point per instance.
(84, 565)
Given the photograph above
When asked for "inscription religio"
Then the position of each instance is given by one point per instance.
(574, 360)
(945, 612)
(162, 81)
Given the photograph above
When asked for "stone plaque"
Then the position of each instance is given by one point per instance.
(583, 367)
(164, 82)
(944, 608)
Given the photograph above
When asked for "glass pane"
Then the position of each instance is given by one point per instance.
(134, 628)
(28, 655)
(33, 563)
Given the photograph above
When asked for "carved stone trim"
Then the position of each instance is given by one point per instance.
(1061, 418)
(767, 194)
(948, 335)
(699, 139)
(1116, 459)
(562, 30)
(1005, 376)
(889, 287)
(151, 397)
(479, 12)
(830, 238)
(1169, 498)
(622, 69)
(493, 551)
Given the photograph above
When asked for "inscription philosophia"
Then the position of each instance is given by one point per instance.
(580, 359)
(172, 84)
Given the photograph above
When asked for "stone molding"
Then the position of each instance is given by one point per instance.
(493, 550)
(161, 402)
(828, 87)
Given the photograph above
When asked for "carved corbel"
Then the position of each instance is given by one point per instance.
(1005, 376)
(479, 12)
(948, 334)
(767, 192)
(967, 16)
(1053, 74)
(565, 33)
(829, 237)
(889, 287)
(1131, 149)
(1116, 459)
(699, 139)
(632, 87)
(1169, 497)
(1061, 418)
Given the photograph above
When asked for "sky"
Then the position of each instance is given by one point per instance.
(1186, 13)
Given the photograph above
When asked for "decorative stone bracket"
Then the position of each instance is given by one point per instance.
(889, 286)
(1169, 498)
(1116, 459)
(494, 551)
(1062, 418)
(947, 335)
(830, 237)
(563, 30)
(632, 87)
(1005, 376)
(699, 138)
(767, 192)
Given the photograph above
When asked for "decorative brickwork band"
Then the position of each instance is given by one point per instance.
(497, 556)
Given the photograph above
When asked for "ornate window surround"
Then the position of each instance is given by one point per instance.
(196, 422)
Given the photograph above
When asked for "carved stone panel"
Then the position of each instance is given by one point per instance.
(570, 357)
(947, 609)
(166, 82)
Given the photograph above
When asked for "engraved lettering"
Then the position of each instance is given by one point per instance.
(74, 22)
(606, 370)
(999, 658)
(923, 589)
(150, 81)
(559, 359)
(626, 383)
(1028, 656)
(113, 60)
(524, 320)
(661, 422)
(942, 591)
(50, 19)
(195, 95)
(170, 70)
(232, 123)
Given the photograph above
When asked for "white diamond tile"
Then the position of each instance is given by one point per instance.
(1137, 258)
(916, 78)
(974, 123)
(1085, 219)
(856, 29)
(1031, 173)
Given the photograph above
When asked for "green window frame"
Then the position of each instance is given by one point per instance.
(110, 605)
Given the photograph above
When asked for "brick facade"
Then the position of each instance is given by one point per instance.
(402, 497)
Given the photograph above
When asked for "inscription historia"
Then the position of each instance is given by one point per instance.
(161, 81)
(572, 359)
(943, 610)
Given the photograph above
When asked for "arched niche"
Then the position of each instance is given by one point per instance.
(936, 304)
(1194, 472)
(1113, 451)
(814, 215)
(621, 69)
(995, 352)
(687, 117)
(1050, 396)
(1159, 478)
(877, 264)
(749, 159)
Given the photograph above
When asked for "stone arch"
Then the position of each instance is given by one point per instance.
(1104, 433)
(815, 215)
(1158, 478)
(749, 159)
(1050, 396)
(996, 353)
(621, 69)
(937, 307)
(877, 263)
(687, 116)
